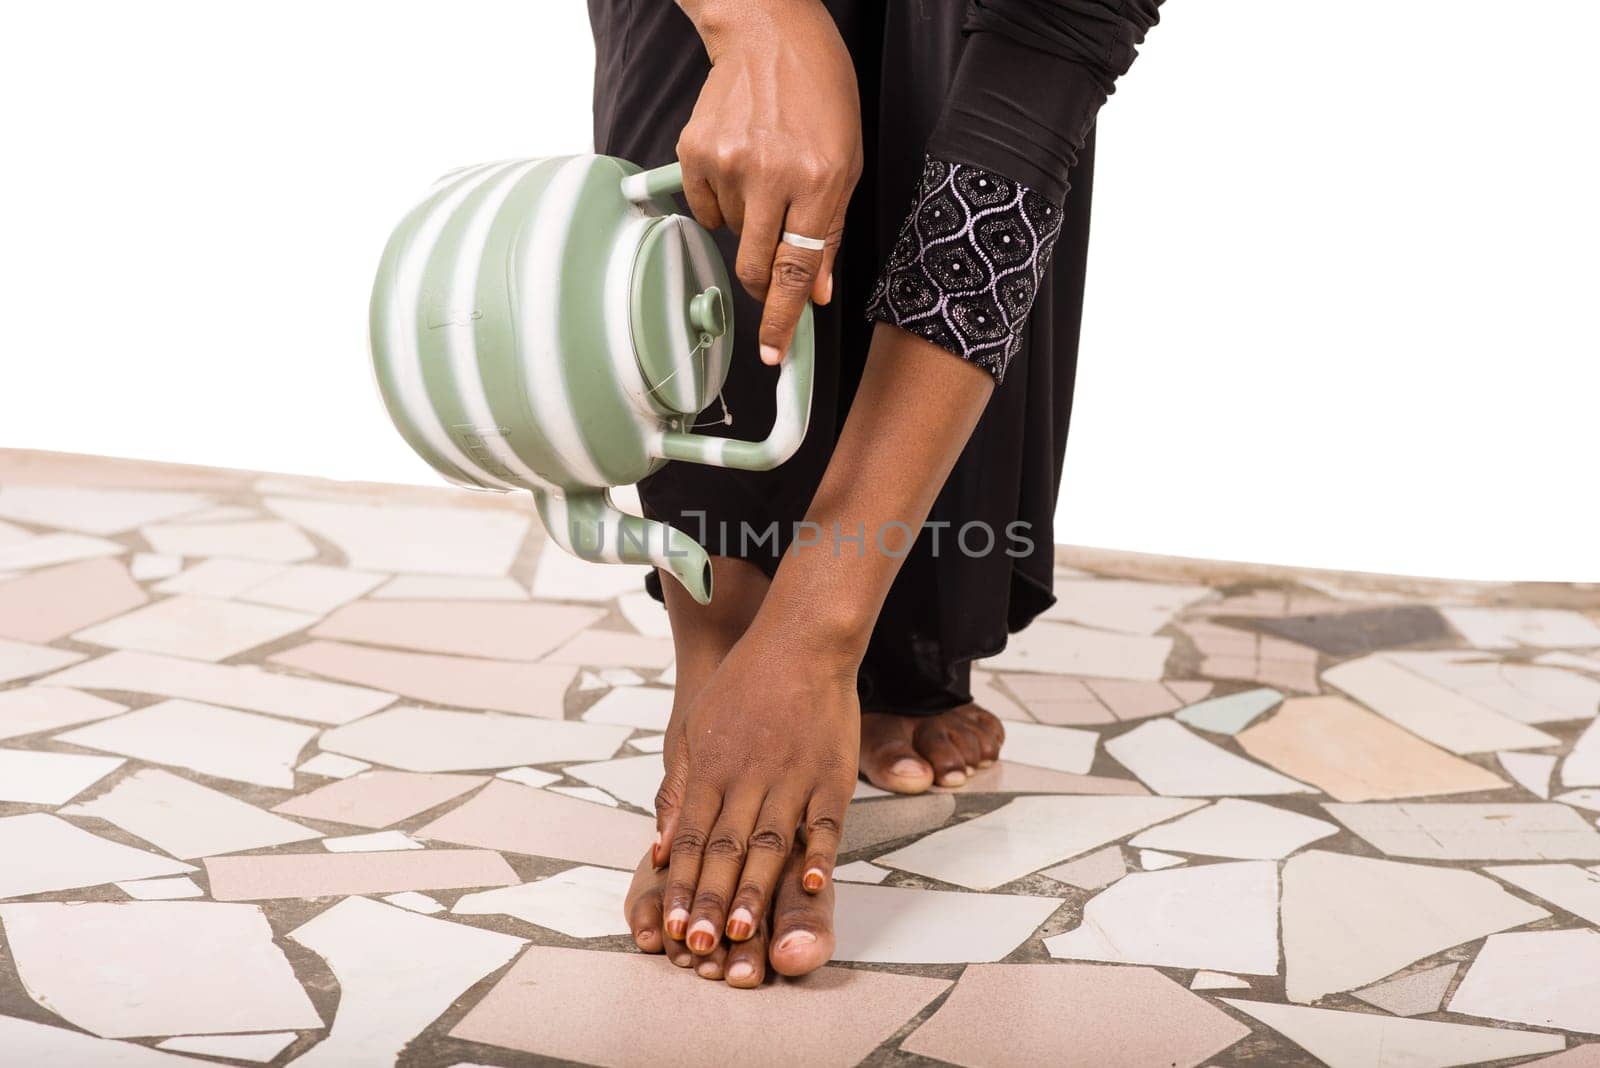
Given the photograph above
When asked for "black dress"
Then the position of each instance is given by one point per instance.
(977, 120)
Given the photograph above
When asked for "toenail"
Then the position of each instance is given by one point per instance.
(985, 763)
(643, 935)
(954, 778)
(812, 880)
(682, 960)
(741, 969)
(796, 939)
(702, 937)
(707, 969)
(907, 768)
(676, 919)
(740, 925)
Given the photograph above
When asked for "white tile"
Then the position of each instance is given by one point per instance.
(860, 871)
(1531, 770)
(529, 776)
(647, 615)
(1068, 649)
(1349, 921)
(1543, 978)
(226, 513)
(312, 588)
(1371, 1040)
(560, 576)
(34, 709)
(147, 567)
(988, 696)
(1580, 768)
(257, 1048)
(902, 925)
(1511, 628)
(449, 588)
(173, 888)
(669, 676)
(127, 968)
(49, 549)
(94, 511)
(41, 1046)
(1430, 710)
(430, 739)
(1172, 760)
(1204, 980)
(376, 842)
(1059, 748)
(1245, 830)
(19, 660)
(186, 819)
(246, 686)
(261, 539)
(1565, 886)
(1528, 693)
(34, 777)
(1588, 661)
(634, 780)
(1587, 798)
(1232, 713)
(613, 648)
(635, 706)
(1155, 860)
(397, 972)
(200, 628)
(588, 680)
(219, 577)
(591, 794)
(1217, 916)
(333, 766)
(620, 677)
(214, 741)
(48, 853)
(439, 541)
(583, 902)
(1452, 831)
(415, 901)
(649, 743)
(1121, 604)
(1029, 833)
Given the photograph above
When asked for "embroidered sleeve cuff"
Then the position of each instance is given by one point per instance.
(967, 264)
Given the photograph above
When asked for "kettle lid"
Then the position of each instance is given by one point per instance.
(681, 315)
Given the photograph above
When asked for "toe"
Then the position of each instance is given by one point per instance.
(746, 963)
(711, 965)
(991, 732)
(642, 906)
(802, 923)
(888, 758)
(934, 742)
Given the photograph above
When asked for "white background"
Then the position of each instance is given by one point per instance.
(1343, 284)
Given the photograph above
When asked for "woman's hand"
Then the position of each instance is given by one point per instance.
(767, 751)
(774, 144)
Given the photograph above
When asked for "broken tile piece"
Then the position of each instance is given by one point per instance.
(43, 1046)
(1155, 860)
(332, 766)
(647, 615)
(94, 511)
(174, 888)
(1121, 604)
(1565, 886)
(220, 576)
(314, 588)
(1008, 777)
(611, 648)
(1451, 831)
(1204, 980)
(1172, 760)
(378, 799)
(147, 567)
(1430, 710)
(869, 824)
(47, 853)
(468, 541)
(1217, 916)
(246, 687)
(258, 1048)
(215, 741)
(50, 549)
(34, 777)
(1532, 771)
(1354, 755)
(1228, 653)
(38, 708)
(498, 630)
(260, 539)
(530, 776)
(1542, 978)
(397, 971)
(466, 682)
(1528, 693)
(561, 576)
(649, 743)
(1348, 921)
(591, 794)
(19, 660)
(906, 925)
(414, 902)
(448, 588)
(1370, 1040)
(1078, 1015)
(646, 708)
(52, 603)
(1058, 748)
(431, 739)
(1580, 768)
(1246, 830)
(1027, 834)
(1364, 630)
(187, 819)
(1068, 649)
(1411, 995)
(582, 902)
(129, 968)
(517, 819)
(264, 877)
(376, 842)
(1511, 628)
(199, 628)
(860, 871)
(1230, 714)
(1098, 869)
(562, 1004)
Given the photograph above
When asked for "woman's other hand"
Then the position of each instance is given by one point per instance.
(774, 145)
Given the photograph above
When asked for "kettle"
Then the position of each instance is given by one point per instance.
(554, 325)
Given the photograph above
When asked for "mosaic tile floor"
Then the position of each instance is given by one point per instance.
(295, 772)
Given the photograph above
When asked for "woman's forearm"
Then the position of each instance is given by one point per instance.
(913, 413)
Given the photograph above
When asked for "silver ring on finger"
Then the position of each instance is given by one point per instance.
(814, 244)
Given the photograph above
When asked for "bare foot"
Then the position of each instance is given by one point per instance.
(907, 754)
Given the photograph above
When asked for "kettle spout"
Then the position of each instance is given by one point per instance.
(590, 527)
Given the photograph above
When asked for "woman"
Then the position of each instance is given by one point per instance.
(934, 230)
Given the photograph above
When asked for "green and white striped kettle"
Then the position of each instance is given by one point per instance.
(554, 325)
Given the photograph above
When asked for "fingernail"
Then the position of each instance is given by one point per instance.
(702, 937)
(907, 768)
(770, 354)
(827, 288)
(954, 778)
(812, 880)
(741, 969)
(740, 924)
(796, 939)
(677, 920)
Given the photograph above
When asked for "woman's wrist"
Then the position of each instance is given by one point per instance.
(723, 24)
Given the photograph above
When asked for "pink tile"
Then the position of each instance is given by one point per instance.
(502, 685)
(49, 604)
(1008, 778)
(379, 798)
(1134, 700)
(565, 1004)
(502, 630)
(1057, 700)
(1072, 1014)
(1190, 690)
(1585, 1056)
(519, 819)
(278, 875)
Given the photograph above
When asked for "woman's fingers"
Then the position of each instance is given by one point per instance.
(822, 288)
(719, 870)
(758, 243)
(702, 198)
(769, 847)
(688, 844)
(669, 798)
(824, 825)
(794, 271)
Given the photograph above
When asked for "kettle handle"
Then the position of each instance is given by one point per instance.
(794, 377)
